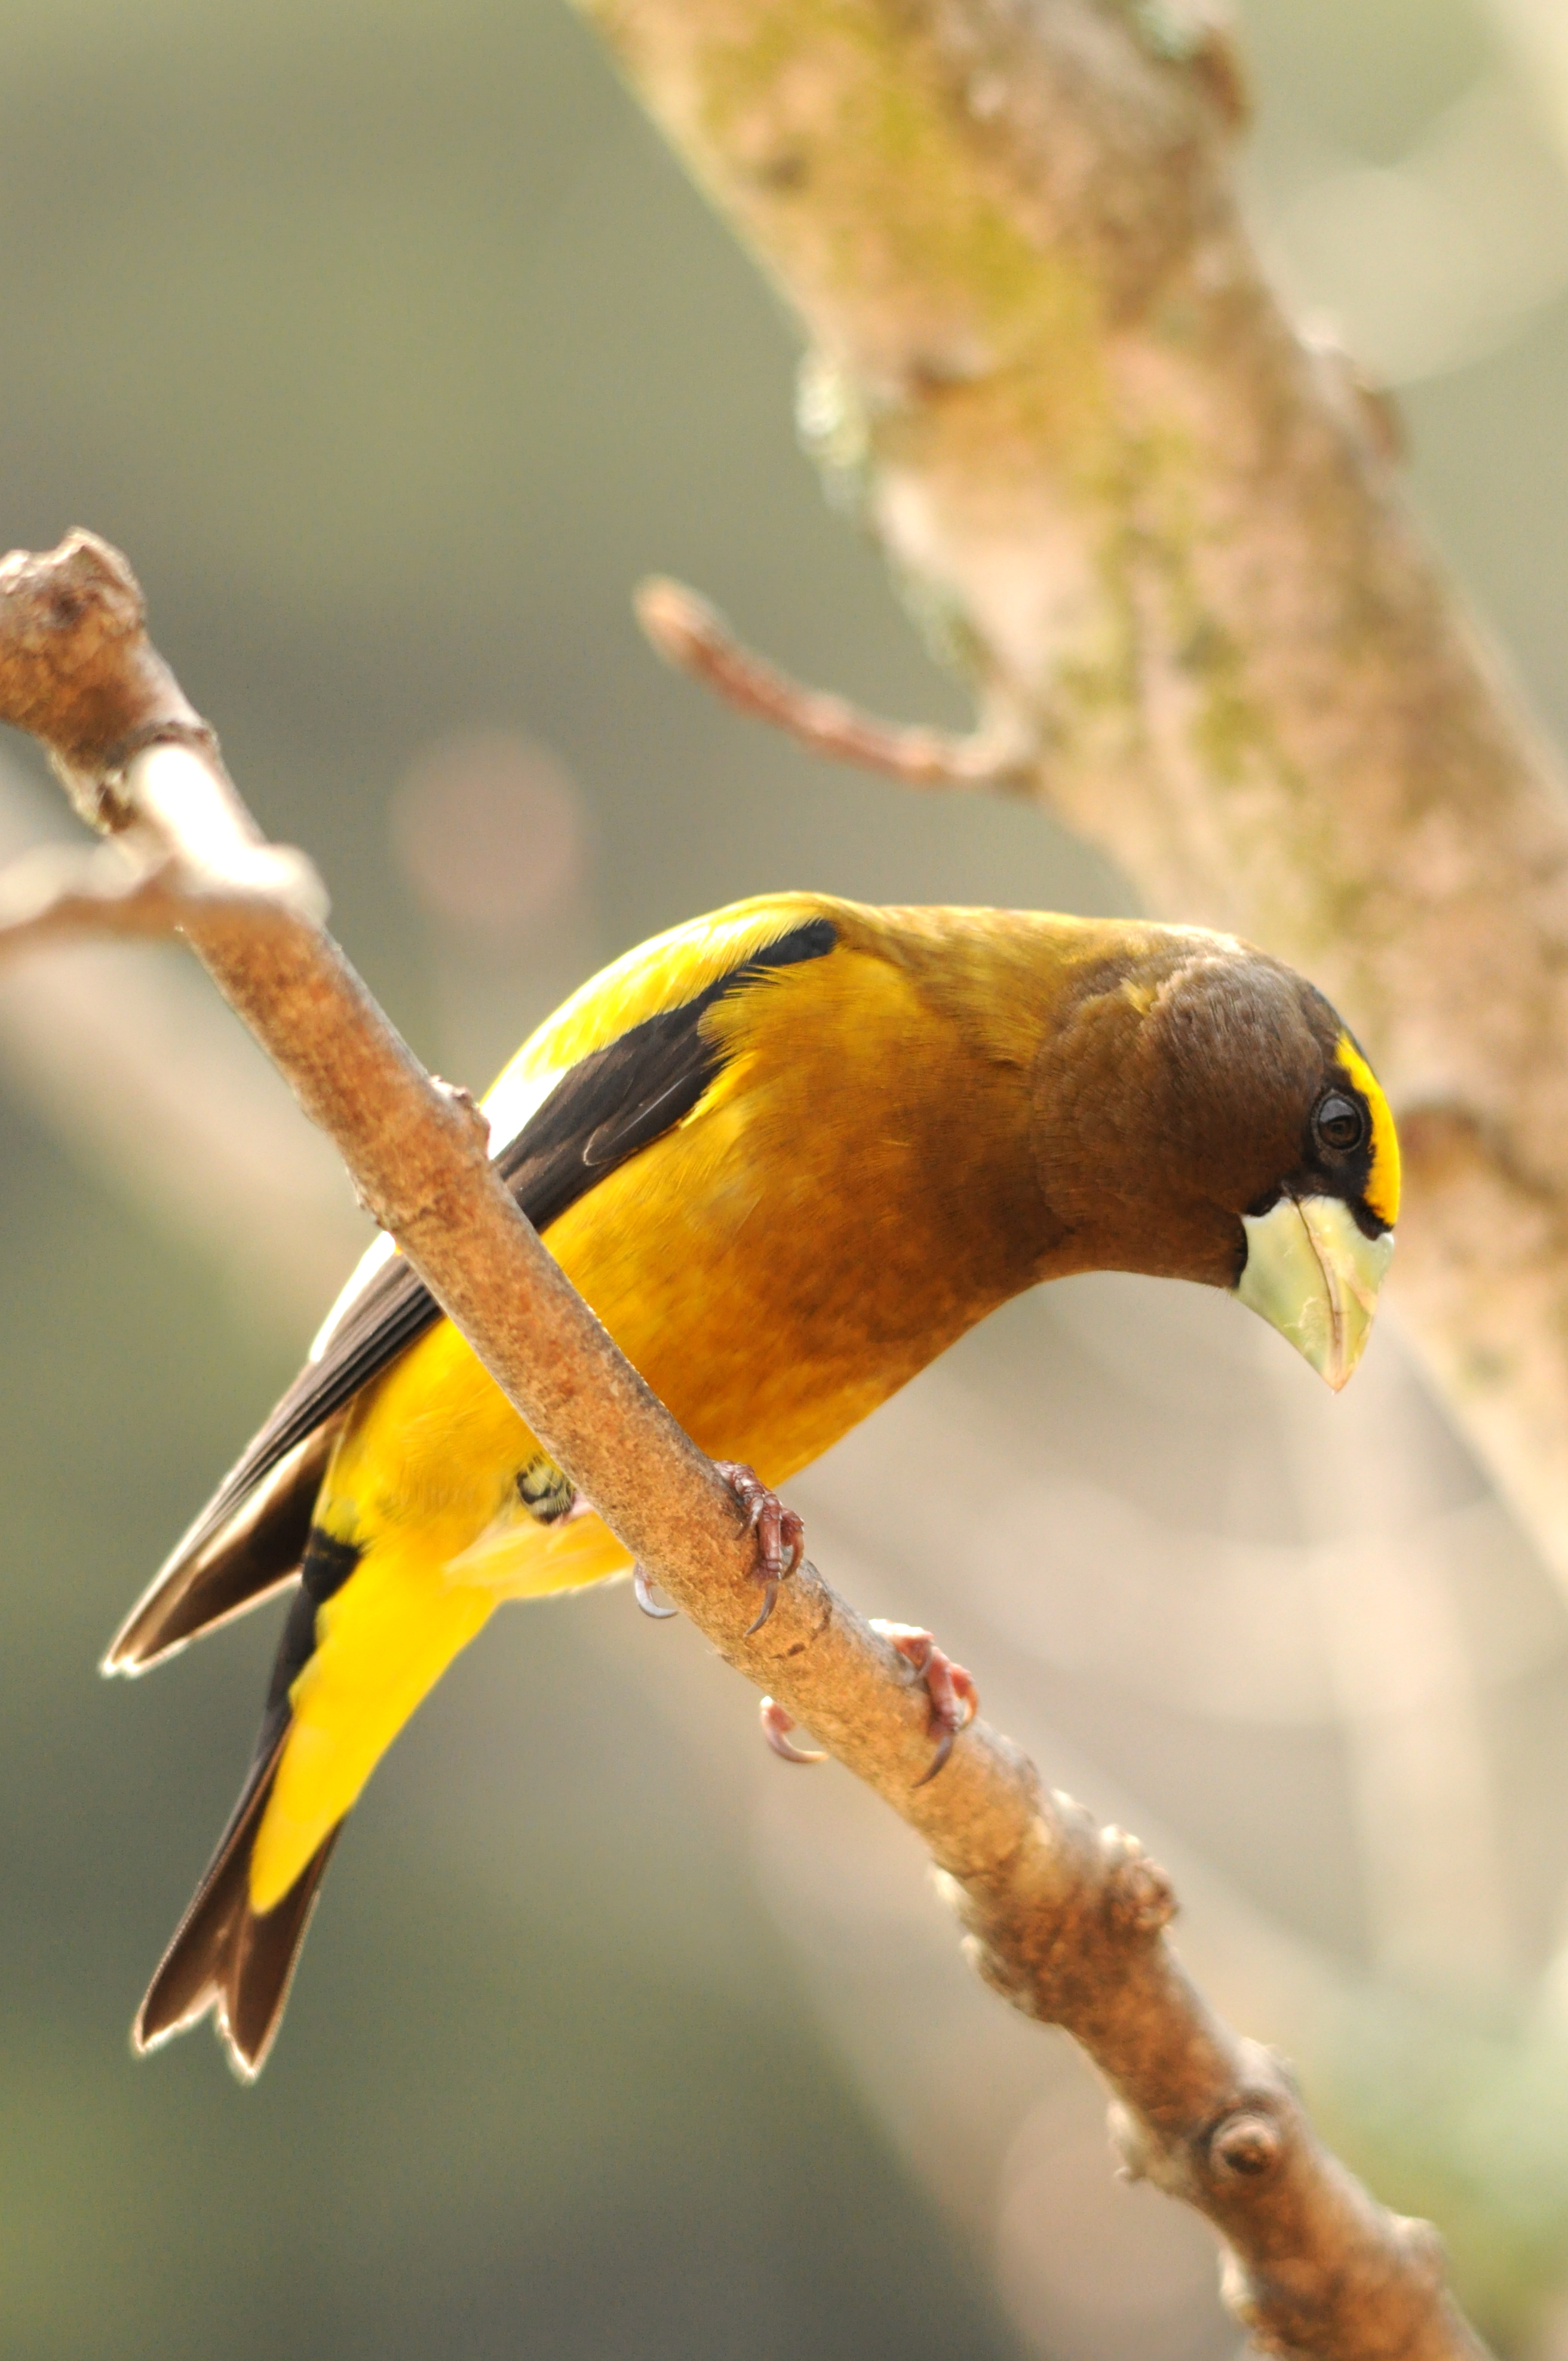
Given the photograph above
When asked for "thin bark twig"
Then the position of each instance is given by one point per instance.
(692, 635)
(1065, 1919)
(55, 892)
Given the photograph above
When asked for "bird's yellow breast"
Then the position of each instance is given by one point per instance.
(775, 1265)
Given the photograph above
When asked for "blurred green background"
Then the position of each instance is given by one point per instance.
(393, 347)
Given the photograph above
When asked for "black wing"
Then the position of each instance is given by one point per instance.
(612, 1102)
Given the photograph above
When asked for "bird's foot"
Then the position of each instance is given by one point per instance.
(781, 1538)
(776, 1727)
(951, 1690)
(646, 1601)
(780, 1535)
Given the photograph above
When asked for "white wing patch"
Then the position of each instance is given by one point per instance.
(515, 1096)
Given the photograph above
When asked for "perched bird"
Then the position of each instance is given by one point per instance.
(788, 1153)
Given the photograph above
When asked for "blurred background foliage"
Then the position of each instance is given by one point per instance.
(393, 347)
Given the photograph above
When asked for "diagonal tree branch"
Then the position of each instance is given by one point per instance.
(1067, 1920)
(1168, 537)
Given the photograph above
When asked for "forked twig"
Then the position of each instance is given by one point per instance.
(695, 637)
(57, 892)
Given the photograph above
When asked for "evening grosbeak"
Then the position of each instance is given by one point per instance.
(788, 1152)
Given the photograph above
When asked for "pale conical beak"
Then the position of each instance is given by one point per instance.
(1314, 1274)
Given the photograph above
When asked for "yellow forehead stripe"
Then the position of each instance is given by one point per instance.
(1383, 1181)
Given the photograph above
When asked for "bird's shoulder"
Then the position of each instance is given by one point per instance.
(658, 978)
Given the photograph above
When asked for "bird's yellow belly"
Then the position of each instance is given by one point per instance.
(710, 1266)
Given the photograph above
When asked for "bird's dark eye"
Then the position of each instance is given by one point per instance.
(1339, 1124)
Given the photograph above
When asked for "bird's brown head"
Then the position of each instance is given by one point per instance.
(1201, 1113)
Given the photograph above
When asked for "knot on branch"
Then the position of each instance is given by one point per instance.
(470, 1121)
(1233, 2157)
(1244, 2146)
(1138, 1898)
(76, 667)
(1098, 1906)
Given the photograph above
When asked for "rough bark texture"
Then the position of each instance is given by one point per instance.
(1167, 537)
(1065, 1921)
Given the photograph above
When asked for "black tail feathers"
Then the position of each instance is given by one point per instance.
(226, 1564)
(225, 1957)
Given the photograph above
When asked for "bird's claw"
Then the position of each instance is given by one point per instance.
(780, 1536)
(776, 1727)
(950, 1689)
(646, 1601)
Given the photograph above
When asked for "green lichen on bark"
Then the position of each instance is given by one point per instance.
(851, 155)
